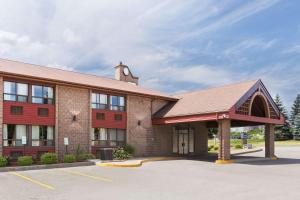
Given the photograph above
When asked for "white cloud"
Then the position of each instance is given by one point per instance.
(93, 36)
(252, 44)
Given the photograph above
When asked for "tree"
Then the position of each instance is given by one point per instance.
(283, 131)
(295, 116)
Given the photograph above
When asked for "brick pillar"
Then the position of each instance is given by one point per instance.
(224, 139)
(56, 120)
(269, 140)
(1, 115)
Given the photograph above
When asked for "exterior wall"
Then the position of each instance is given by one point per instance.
(30, 114)
(27, 150)
(109, 121)
(201, 138)
(73, 101)
(164, 137)
(1, 115)
(143, 137)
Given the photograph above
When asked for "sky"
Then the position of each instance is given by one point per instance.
(172, 45)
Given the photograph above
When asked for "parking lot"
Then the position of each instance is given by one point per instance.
(177, 179)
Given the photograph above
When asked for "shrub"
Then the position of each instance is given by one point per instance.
(24, 161)
(88, 156)
(3, 161)
(49, 158)
(129, 149)
(238, 146)
(216, 148)
(79, 153)
(210, 147)
(120, 154)
(69, 158)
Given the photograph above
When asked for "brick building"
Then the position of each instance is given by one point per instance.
(43, 107)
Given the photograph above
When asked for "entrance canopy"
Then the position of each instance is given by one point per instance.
(245, 104)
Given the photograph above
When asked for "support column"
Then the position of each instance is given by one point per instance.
(270, 141)
(1, 116)
(224, 141)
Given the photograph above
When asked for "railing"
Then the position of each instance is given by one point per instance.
(42, 143)
(107, 143)
(34, 143)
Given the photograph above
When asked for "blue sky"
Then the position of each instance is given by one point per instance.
(172, 45)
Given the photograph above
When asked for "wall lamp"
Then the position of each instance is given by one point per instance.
(74, 119)
(139, 122)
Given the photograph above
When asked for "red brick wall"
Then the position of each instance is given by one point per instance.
(109, 121)
(73, 101)
(28, 151)
(30, 114)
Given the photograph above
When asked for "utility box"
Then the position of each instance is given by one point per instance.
(106, 154)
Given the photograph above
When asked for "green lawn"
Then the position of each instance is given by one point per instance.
(260, 142)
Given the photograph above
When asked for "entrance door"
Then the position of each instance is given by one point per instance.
(183, 141)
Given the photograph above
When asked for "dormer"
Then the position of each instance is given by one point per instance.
(123, 73)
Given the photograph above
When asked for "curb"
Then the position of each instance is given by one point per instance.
(246, 152)
(139, 162)
(40, 167)
(224, 161)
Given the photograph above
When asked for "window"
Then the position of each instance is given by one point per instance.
(108, 137)
(112, 137)
(42, 136)
(42, 94)
(100, 116)
(99, 137)
(43, 112)
(13, 134)
(15, 91)
(117, 103)
(16, 110)
(99, 101)
(118, 117)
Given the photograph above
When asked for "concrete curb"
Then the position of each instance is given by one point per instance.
(246, 152)
(39, 167)
(138, 163)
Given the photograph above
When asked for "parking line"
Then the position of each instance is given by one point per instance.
(33, 181)
(87, 175)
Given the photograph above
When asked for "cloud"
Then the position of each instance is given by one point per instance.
(295, 49)
(250, 44)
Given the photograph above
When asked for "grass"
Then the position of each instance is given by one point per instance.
(259, 142)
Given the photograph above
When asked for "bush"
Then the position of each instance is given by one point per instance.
(3, 161)
(120, 154)
(238, 146)
(24, 161)
(69, 158)
(216, 148)
(88, 156)
(49, 158)
(129, 149)
(79, 153)
(210, 147)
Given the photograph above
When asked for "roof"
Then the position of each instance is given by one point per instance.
(58, 75)
(213, 100)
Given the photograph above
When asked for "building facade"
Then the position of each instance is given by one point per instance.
(50, 110)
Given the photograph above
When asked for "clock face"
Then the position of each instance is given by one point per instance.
(126, 71)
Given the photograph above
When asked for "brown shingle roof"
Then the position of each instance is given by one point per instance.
(58, 75)
(219, 99)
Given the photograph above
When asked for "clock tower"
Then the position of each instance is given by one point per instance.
(123, 73)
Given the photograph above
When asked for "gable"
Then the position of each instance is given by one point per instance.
(244, 105)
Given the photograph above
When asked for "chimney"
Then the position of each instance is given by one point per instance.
(123, 73)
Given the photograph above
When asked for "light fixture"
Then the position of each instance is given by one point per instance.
(74, 119)
(139, 122)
